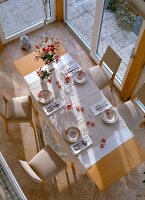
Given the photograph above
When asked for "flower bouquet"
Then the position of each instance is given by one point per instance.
(44, 75)
(47, 51)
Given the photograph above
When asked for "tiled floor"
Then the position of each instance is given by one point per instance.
(19, 143)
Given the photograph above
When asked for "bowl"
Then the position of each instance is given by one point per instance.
(72, 134)
(109, 116)
(79, 77)
(45, 96)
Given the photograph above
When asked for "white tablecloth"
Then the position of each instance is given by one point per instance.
(85, 95)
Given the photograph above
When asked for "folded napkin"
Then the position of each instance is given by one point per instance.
(53, 107)
(72, 68)
(81, 144)
(96, 153)
(100, 107)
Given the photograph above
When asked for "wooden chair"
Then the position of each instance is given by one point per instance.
(100, 75)
(17, 110)
(131, 111)
(44, 166)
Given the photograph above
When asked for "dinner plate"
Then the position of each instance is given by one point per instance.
(109, 116)
(45, 96)
(80, 77)
(72, 134)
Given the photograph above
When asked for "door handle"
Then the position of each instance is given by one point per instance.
(132, 53)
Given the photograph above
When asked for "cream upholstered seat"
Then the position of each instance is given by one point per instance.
(44, 166)
(17, 109)
(100, 75)
(130, 111)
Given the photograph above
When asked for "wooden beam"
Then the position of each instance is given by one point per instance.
(59, 10)
(135, 70)
(1, 46)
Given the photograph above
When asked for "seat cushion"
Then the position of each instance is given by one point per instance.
(47, 164)
(131, 113)
(30, 172)
(19, 109)
(100, 76)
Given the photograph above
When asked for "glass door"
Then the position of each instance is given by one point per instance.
(18, 17)
(100, 23)
(120, 28)
(79, 15)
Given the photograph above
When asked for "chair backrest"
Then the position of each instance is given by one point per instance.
(111, 59)
(140, 94)
(30, 171)
(47, 164)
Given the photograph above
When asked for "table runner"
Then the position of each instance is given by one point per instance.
(96, 153)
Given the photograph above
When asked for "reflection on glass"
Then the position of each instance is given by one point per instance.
(80, 15)
(120, 29)
(17, 15)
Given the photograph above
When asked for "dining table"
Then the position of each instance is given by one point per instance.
(93, 134)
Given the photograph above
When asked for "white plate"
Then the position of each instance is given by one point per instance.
(109, 116)
(72, 134)
(45, 96)
(80, 77)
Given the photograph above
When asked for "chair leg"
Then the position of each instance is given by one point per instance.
(142, 124)
(43, 186)
(36, 136)
(5, 121)
(6, 125)
(32, 125)
(72, 165)
(111, 87)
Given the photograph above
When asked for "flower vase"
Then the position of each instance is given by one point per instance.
(45, 80)
(50, 67)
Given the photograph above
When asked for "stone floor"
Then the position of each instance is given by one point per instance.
(16, 15)
(80, 15)
(20, 143)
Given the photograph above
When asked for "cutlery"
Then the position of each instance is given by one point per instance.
(51, 108)
(79, 145)
(73, 69)
(98, 107)
(56, 105)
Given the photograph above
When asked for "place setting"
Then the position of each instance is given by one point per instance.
(109, 116)
(72, 68)
(79, 77)
(99, 107)
(78, 142)
(50, 102)
(45, 96)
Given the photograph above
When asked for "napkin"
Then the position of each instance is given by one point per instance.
(100, 107)
(53, 107)
(81, 144)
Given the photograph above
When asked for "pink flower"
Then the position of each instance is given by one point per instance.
(101, 145)
(69, 107)
(90, 123)
(80, 108)
(103, 140)
(47, 51)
